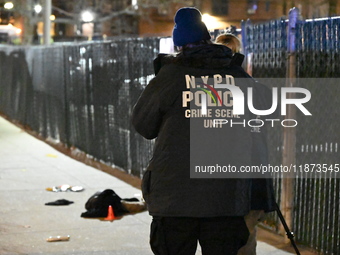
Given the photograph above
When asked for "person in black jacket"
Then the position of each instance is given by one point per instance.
(189, 207)
(262, 188)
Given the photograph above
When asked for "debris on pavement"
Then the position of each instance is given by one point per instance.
(58, 238)
(65, 187)
(51, 155)
(60, 202)
(134, 206)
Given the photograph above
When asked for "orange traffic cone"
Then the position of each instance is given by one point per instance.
(110, 214)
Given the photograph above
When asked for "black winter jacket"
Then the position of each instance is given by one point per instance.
(159, 113)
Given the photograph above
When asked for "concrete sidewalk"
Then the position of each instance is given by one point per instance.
(28, 166)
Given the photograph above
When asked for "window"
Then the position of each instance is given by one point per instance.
(252, 6)
(220, 7)
(267, 6)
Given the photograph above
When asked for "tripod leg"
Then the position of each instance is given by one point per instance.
(290, 234)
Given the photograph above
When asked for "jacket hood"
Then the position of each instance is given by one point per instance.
(210, 56)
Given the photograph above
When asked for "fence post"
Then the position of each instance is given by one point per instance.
(289, 133)
(248, 55)
(47, 22)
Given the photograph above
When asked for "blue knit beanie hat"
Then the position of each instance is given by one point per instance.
(189, 27)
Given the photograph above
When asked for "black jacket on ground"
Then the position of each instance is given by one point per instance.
(159, 113)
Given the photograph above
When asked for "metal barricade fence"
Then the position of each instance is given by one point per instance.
(81, 95)
(316, 206)
(317, 201)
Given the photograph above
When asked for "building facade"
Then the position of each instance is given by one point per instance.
(89, 19)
